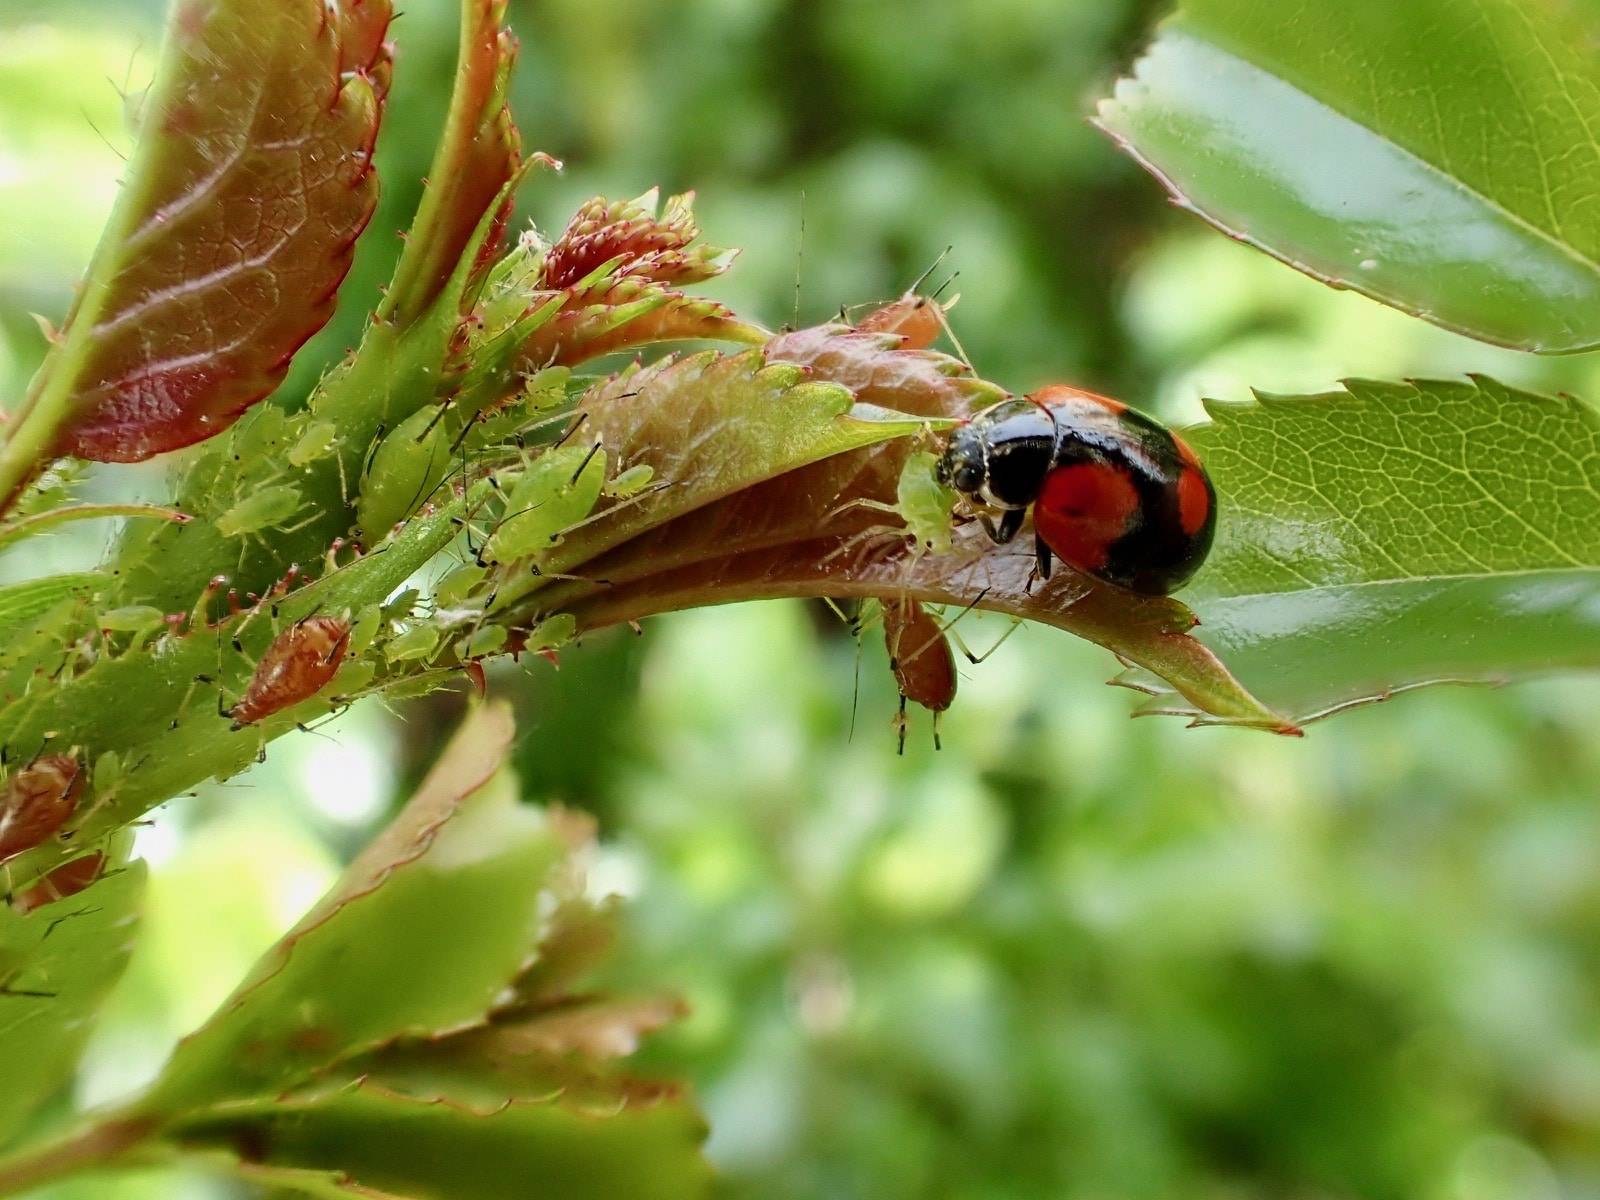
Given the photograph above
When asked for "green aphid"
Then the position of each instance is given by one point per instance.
(552, 632)
(108, 773)
(267, 508)
(925, 504)
(481, 643)
(261, 433)
(540, 395)
(316, 442)
(631, 482)
(417, 642)
(455, 587)
(405, 469)
(134, 618)
(557, 491)
(365, 630)
(399, 608)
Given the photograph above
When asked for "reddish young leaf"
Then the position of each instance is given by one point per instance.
(252, 180)
(652, 244)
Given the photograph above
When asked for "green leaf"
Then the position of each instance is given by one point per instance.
(420, 936)
(1437, 155)
(57, 963)
(25, 602)
(1395, 535)
(249, 186)
(367, 1137)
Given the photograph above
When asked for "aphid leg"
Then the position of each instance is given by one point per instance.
(901, 724)
(944, 322)
(188, 695)
(976, 659)
(937, 744)
(872, 505)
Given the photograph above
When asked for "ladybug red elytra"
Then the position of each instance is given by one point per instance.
(1114, 494)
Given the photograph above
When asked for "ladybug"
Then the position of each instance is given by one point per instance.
(1114, 494)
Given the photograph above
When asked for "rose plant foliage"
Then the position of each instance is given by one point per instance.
(469, 484)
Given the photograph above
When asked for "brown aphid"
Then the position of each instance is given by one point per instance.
(37, 801)
(297, 665)
(918, 319)
(919, 655)
(64, 881)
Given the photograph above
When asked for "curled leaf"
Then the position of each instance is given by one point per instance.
(477, 157)
(1154, 632)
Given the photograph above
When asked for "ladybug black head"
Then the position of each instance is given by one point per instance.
(964, 466)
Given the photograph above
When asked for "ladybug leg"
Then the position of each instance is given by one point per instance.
(1010, 525)
(1041, 554)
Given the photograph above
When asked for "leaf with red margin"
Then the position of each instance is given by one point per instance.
(366, 1140)
(478, 156)
(1151, 631)
(251, 182)
(422, 935)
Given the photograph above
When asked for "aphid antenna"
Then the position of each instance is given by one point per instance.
(800, 260)
(443, 408)
(377, 440)
(855, 691)
(620, 505)
(82, 912)
(564, 578)
(576, 425)
(941, 289)
(587, 459)
(932, 267)
(466, 431)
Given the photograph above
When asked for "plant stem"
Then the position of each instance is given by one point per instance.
(99, 1145)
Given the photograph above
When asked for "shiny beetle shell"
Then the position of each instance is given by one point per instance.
(1113, 493)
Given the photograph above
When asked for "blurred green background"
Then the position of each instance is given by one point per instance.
(1072, 955)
